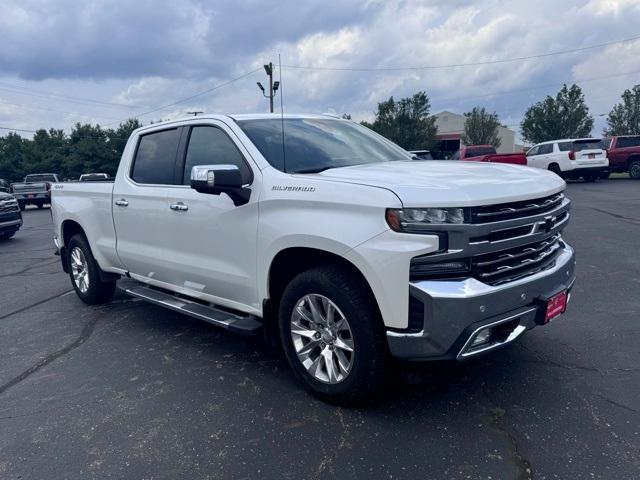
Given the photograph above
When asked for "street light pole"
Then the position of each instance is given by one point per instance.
(273, 86)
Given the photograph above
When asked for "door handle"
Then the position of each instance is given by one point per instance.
(122, 203)
(179, 207)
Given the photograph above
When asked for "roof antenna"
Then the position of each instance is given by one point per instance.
(284, 157)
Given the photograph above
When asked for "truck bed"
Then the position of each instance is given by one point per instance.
(90, 204)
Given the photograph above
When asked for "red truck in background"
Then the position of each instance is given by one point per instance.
(624, 154)
(487, 153)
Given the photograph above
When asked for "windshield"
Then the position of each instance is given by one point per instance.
(312, 145)
(40, 178)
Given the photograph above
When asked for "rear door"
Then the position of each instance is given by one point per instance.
(212, 243)
(140, 212)
(589, 152)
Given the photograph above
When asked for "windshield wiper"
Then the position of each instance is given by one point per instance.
(313, 170)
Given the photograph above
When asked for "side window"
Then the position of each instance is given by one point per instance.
(211, 146)
(545, 149)
(456, 156)
(533, 151)
(564, 146)
(155, 158)
(624, 142)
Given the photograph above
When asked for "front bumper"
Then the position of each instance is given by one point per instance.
(454, 311)
(10, 222)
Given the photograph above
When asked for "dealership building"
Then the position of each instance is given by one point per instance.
(450, 127)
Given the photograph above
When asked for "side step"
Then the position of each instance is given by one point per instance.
(239, 323)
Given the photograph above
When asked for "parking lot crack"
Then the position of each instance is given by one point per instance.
(631, 220)
(523, 465)
(618, 404)
(84, 336)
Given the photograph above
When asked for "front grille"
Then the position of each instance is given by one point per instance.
(508, 265)
(9, 207)
(512, 210)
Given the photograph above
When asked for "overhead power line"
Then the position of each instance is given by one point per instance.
(471, 64)
(191, 97)
(20, 90)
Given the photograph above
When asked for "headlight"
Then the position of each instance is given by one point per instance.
(418, 220)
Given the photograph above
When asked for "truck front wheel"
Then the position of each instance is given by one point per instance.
(332, 335)
(85, 273)
(634, 169)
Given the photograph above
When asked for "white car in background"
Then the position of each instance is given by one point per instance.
(571, 158)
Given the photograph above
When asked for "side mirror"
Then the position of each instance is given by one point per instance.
(217, 179)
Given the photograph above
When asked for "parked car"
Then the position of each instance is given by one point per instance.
(421, 154)
(5, 186)
(10, 216)
(487, 153)
(94, 177)
(571, 158)
(624, 154)
(35, 190)
(335, 243)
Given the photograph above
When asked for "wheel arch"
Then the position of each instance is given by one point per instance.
(291, 261)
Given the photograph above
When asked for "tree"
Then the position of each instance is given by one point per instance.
(481, 128)
(12, 152)
(406, 122)
(624, 117)
(565, 116)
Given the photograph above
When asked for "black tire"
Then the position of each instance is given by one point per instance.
(634, 169)
(555, 168)
(590, 177)
(7, 235)
(605, 175)
(98, 291)
(345, 289)
(22, 205)
(40, 205)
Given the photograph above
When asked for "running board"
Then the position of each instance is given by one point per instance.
(239, 323)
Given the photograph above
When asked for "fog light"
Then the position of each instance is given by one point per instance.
(481, 337)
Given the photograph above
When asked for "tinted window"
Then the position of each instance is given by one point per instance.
(606, 142)
(591, 144)
(564, 146)
(546, 148)
(316, 144)
(624, 142)
(456, 156)
(477, 151)
(533, 151)
(156, 157)
(40, 178)
(211, 146)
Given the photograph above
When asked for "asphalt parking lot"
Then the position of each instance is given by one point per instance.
(128, 390)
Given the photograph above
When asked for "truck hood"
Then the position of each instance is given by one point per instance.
(451, 183)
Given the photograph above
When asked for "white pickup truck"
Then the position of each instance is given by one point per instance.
(327, 237)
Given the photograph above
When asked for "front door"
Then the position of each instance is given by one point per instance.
(212, 241)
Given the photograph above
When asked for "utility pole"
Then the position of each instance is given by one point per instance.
(273, 86)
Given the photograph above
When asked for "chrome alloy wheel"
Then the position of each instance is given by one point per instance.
(80, 270)
(322, 338)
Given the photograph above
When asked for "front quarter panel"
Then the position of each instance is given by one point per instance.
(305, 211)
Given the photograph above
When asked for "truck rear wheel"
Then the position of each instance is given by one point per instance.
(85, 273)
(332, 335)
(634, 169)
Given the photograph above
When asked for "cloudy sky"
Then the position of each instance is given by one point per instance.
(64, 61)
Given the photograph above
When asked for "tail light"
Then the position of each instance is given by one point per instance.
(572, 155)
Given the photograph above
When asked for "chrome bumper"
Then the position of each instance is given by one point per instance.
(455, 311)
